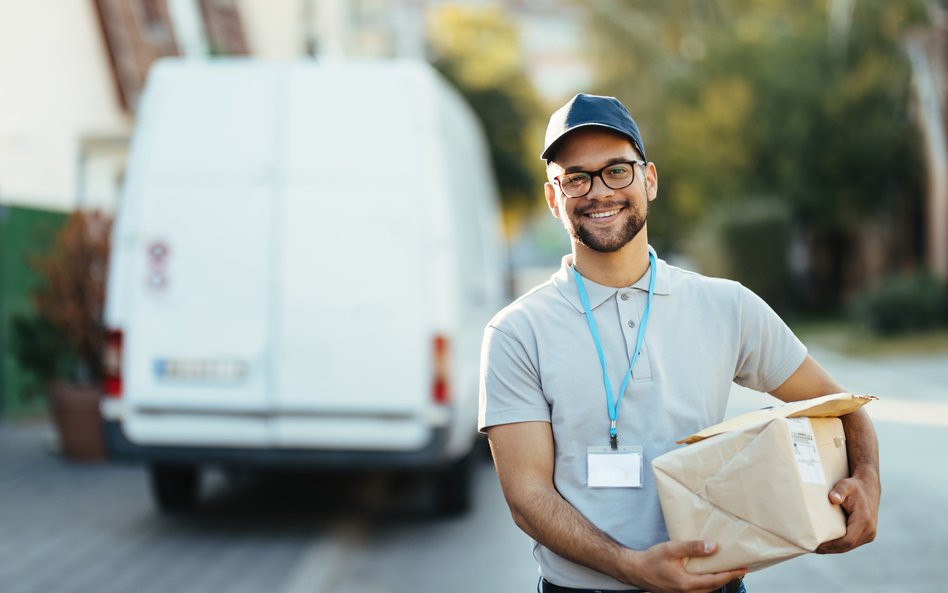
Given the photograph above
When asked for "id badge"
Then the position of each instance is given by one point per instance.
(614, 468)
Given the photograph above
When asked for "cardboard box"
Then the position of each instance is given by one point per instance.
(758, 484)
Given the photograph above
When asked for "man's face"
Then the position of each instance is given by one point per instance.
(605, 219)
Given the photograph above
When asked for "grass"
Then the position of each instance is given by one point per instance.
(847, 338)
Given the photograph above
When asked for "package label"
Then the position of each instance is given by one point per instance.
(805, 451)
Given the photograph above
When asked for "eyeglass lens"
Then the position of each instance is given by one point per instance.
(615, 176)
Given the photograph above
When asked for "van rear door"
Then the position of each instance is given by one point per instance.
(357, 255)
(197, 235)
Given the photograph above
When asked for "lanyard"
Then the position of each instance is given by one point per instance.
(612, 403)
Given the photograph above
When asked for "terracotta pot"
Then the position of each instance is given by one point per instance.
(78, 421)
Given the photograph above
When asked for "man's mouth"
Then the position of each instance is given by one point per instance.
(605, 214)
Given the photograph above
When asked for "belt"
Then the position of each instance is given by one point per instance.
(548, 587)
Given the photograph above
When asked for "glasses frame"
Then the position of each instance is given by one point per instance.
(594, 174)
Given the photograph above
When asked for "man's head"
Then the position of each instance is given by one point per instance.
(599, 181)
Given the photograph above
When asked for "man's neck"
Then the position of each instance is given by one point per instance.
(617, 269)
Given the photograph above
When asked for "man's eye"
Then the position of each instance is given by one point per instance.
(618, 171)
(576, 179)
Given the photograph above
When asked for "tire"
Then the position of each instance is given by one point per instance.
(174, 488)
(454, 487)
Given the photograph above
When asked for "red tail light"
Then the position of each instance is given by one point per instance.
(112, 361)
(441, 386)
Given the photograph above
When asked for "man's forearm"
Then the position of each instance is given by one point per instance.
(862, 446)
(556, 524)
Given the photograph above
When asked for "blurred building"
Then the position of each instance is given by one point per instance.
(72, 74)
(73, 71)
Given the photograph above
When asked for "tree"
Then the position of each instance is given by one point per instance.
(477, 50)
(743, 99)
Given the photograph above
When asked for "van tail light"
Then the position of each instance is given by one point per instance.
(112, 361)
(441, 385)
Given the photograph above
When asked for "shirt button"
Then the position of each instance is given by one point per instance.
(631, 323)
(625, 296)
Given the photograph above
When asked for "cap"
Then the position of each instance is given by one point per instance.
(591, 110)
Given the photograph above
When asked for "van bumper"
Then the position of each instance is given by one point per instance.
(432, 455)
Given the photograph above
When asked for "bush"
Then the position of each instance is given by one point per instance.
(905, 304)
(65, 337)
(40, 347)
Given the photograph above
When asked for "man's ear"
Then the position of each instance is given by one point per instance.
(550, 193)
(651, 181)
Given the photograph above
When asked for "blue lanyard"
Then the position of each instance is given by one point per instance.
(613, 402)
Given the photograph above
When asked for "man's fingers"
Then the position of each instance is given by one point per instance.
(840, 492)
(835, 546)
(844, 493)
(715, 580)
(666, 571)
(855, 537)
(859, 530)
(694, 549)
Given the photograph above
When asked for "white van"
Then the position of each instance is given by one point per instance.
(303, 262)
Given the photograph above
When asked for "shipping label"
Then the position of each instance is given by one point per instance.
(805, 451)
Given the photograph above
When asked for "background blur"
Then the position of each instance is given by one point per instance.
(801, 148)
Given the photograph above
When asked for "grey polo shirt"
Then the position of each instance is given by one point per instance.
(539, 363)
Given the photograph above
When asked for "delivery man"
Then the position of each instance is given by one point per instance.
(591, 375)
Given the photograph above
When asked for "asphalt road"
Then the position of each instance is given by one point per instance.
(68, 528)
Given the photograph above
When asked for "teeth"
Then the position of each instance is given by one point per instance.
(603, 214)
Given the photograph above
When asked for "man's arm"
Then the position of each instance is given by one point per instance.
(859, 494)
(523, 454)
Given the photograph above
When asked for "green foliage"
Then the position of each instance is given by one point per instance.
(477, 50)
(65, 336)
(748, 242)
(41, 347)
(905, 304)
(741, 98)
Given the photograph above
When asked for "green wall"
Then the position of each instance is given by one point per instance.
(24, 233)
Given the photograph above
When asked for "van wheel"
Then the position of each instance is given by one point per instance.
(454, 486)
(174, 488)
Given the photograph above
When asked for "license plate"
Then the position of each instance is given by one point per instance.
(226, 371)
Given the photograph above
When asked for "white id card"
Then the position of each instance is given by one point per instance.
(614, 468)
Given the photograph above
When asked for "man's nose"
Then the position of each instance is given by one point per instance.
(598, 189)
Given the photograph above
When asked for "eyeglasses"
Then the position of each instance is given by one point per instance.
(577, 184)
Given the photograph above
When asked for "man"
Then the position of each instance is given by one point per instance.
(567, 463)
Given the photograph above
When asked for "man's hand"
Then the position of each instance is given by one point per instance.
(661, 569)
(859, 497)
(858, 494)
(523, 454)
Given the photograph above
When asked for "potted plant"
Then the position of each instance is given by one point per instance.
(62, 342)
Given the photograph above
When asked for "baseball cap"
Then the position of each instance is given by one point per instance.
(591, 110)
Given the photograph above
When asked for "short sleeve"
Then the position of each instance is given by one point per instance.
(769, 352)
(510, 389)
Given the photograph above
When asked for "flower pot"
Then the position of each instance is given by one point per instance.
(78, 421)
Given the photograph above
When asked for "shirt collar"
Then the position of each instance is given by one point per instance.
(565, 282)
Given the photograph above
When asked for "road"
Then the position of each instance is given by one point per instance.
(68, 528)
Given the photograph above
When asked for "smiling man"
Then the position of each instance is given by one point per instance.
(591, 375)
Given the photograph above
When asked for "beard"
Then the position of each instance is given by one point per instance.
(606, 241)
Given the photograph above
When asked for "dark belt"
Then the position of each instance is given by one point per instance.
(549, 587)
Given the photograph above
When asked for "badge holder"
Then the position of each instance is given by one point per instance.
(614, 468)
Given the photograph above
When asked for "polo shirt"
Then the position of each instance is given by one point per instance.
(539, 363)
